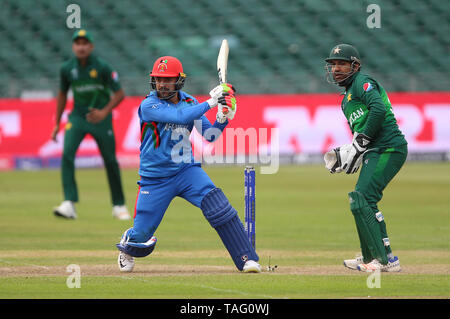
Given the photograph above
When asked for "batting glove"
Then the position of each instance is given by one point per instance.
(359, 147)
(217, 92)
(228, 105)
(220, 117)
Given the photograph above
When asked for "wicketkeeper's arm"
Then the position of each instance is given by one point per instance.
(377, 112)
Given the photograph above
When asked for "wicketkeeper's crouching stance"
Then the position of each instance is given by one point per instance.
(378, 145)
(167, 167)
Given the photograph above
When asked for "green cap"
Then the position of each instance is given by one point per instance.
(82, 33)
(344, 52)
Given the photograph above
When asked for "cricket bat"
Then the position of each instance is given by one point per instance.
(222, 62)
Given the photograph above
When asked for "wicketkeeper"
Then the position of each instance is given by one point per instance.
(378, 147)
(167, 167)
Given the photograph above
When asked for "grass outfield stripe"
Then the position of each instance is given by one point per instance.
(304, 226)
(202, 286)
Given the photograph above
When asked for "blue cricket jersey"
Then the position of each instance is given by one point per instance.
(165, 129)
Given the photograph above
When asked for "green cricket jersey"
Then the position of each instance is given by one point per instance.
(368, 110)
(91, 84)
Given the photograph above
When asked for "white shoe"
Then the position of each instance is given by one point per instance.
(125, 262)
(393, 265)
(120, 212)
(353, 263)
(251, 266)
(66, 210)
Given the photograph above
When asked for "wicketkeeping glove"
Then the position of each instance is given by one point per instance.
(359, 147)
(334, 158)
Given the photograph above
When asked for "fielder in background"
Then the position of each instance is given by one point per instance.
(378, 146)
(167, 167)
(91, 80)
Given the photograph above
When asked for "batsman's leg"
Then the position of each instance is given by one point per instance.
(196, 187)
(225, 220)
(151, 203)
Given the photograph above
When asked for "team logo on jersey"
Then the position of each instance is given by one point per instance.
(349, 97)
(367, 87)
(115, 76)
(93, 73)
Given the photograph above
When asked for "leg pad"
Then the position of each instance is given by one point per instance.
(225, 220)
(368, 226)
(136, 249)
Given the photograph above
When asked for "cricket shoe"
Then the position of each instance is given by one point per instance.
(251, 266)
(393, 265)
(120, 212)
(353, 263)
(66, 210)
(125, 262)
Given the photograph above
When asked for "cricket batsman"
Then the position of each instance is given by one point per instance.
(91, 80)
(167, 167)
(378, 146)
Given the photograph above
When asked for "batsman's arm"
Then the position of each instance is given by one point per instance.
(210, 132)
(154, 111)
(60, 106)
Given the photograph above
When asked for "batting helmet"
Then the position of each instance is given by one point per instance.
(168, 67)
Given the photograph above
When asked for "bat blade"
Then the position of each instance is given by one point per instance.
(222, 61)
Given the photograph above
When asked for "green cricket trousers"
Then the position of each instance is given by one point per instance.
(378, 168)
(75, 131)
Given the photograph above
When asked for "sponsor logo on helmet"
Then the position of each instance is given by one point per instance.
(367, 87)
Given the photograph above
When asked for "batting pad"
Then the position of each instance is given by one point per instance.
(136, 249)
(367, 225)
(225, 220)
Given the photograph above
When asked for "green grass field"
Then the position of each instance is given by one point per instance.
(304, 226)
